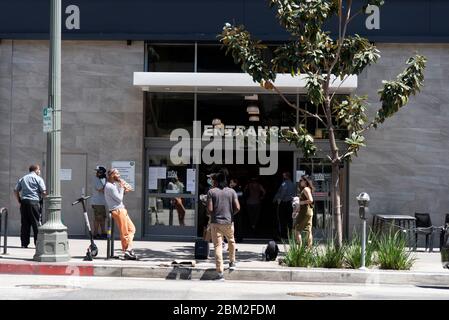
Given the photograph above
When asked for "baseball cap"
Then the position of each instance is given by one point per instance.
(101, 169)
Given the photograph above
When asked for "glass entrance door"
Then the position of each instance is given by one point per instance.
(320, 171)
(170, 198)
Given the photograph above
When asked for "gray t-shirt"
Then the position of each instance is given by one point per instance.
(113, 195)
(97, 196)
(222, 201)
(31, 186)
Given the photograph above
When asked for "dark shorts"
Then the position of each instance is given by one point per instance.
(99, 212)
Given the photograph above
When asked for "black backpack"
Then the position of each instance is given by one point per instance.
(271, 252)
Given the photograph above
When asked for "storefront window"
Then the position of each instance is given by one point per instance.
(213, 58)
(171, 211)
(320, 172)
(233, 110)
(171, 58)
(171, 192)
(164, 177)
(165, 112)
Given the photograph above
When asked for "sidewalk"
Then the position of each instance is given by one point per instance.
(156, 262)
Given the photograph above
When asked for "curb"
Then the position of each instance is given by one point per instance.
(372, 277)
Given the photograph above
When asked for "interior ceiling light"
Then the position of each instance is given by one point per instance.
(254, 118)
(254, 97)
(253, 109)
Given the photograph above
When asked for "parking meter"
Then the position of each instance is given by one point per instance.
(363, 200)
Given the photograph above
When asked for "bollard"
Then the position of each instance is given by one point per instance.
(112, 237)
(4, 213)
(108, 248)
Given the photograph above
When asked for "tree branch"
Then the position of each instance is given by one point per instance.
(297, 107)
(343, 81)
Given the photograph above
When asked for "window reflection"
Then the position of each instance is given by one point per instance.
(171, 58)
(171, 211)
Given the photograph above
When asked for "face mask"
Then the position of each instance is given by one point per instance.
(209, 181)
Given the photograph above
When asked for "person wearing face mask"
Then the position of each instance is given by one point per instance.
(204, 218)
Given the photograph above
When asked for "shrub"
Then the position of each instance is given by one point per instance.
(330, 256)
(353, 257)
(392, 252)
(298, 254)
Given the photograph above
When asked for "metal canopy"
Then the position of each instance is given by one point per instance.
(229, 83)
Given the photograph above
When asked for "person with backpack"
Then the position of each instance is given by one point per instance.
(222, 204)
(99, 203)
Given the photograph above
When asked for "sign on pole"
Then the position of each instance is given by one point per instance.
(47, 117)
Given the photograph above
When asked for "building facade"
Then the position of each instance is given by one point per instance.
(148, 69)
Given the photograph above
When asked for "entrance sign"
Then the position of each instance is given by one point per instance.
(47, 118)
(127, 171)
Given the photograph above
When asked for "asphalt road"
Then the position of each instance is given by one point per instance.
(14, 287)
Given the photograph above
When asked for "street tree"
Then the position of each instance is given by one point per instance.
(314, 53)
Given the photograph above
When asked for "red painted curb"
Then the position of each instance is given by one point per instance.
(46, 269)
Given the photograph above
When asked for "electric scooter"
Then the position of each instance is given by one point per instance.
(92, 250)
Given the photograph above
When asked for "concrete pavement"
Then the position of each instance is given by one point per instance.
(156, 260)
(58, 288)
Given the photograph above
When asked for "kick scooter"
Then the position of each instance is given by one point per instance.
(92, 250)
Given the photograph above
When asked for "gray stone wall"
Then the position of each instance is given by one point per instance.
(102, 111)
(405, 167)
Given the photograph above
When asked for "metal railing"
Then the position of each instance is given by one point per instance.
(4, 217)
(411, 233)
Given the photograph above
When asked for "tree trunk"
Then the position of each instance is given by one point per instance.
(335, 192)
(336, 204)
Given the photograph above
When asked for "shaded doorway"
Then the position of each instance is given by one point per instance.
(266, 221)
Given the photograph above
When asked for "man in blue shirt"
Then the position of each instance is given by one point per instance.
(283, 200)
(28, 191)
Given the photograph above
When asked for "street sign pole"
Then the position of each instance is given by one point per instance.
(52, 243)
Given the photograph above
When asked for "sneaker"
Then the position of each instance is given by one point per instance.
(129, 255)
(219, 277)
(232, 266)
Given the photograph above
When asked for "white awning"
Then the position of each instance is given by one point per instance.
(228, 83)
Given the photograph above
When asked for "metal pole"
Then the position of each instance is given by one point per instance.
(5, 235)
(4, 213)
(112, 237)
(52, 243)
(108, 248)
(363, 245)
(1, 216)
